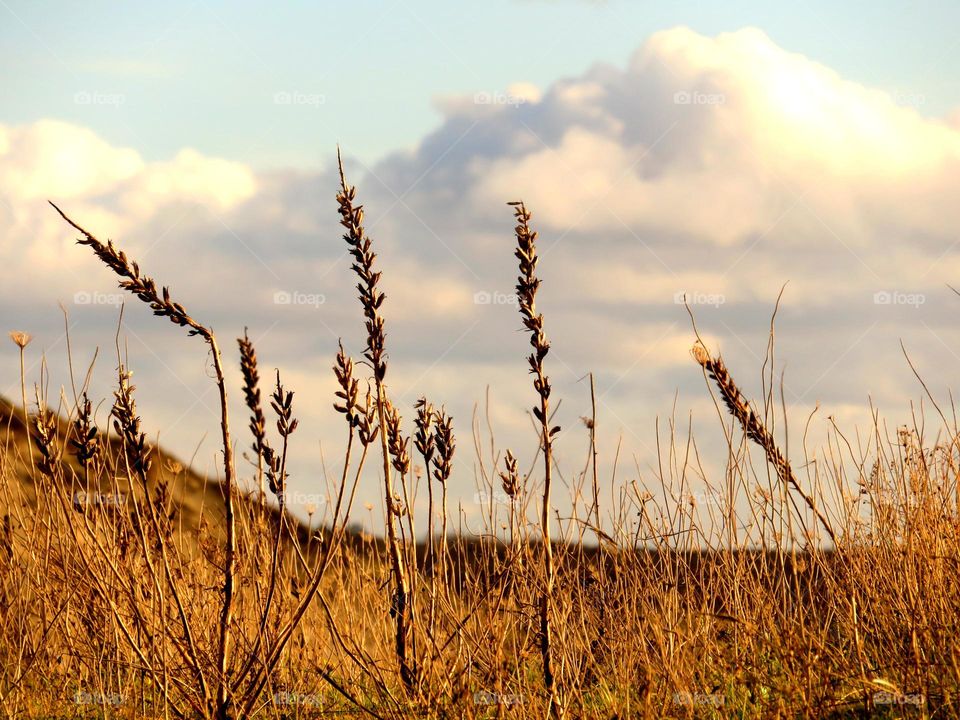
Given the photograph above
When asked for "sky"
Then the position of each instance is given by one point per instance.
(204, 74)
(720, 152)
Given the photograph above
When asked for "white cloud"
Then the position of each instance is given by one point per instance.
(721, 167)
(110, 190)
(743, 130)
(190, 176)
(56, 159)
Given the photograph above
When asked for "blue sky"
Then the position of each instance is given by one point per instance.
(204, 74)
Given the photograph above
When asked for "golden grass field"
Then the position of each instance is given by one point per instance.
(131, 587)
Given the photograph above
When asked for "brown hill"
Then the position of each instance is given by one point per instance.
(193, 499)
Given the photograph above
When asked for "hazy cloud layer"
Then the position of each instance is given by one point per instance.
(721, 168)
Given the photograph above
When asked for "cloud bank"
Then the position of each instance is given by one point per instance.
(710, 169)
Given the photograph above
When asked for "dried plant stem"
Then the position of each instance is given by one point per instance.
(424, 442)
(510, 482)
(593, 450)
(400, 608)
(446, 445)
(226, 616)
(371, 298)
(755, 429)
(266, 458)
(136, 458)
(145, 288)
(527, 285)
(21, 340)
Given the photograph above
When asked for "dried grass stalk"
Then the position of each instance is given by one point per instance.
(145, 288)
(266, 457)
(754, 428)
(371, 299)
(527, 285)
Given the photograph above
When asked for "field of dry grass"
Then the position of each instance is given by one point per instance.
(131, 587)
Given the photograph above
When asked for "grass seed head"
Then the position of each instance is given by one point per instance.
(20, 339)
(446, 446)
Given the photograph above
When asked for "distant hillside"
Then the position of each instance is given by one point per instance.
(192, 496)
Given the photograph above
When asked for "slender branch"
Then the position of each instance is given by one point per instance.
(527, 285)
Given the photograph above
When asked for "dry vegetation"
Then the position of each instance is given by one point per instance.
(130, 587)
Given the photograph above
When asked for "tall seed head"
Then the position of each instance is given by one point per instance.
(510, 477)
(282, 404)
(424, 435)
(396, 441)
(143, 286)
(45, 433)
(527, 285)
(86, 445)
(367, 427)
(351, 218)
(126, 423)
(349, 388)
(446, 445)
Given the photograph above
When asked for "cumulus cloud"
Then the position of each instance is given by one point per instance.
(716, 139)
(707, 170)
(113, 189)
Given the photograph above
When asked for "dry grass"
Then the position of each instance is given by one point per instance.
(527, 285)
(130, 587)
(754, 428)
